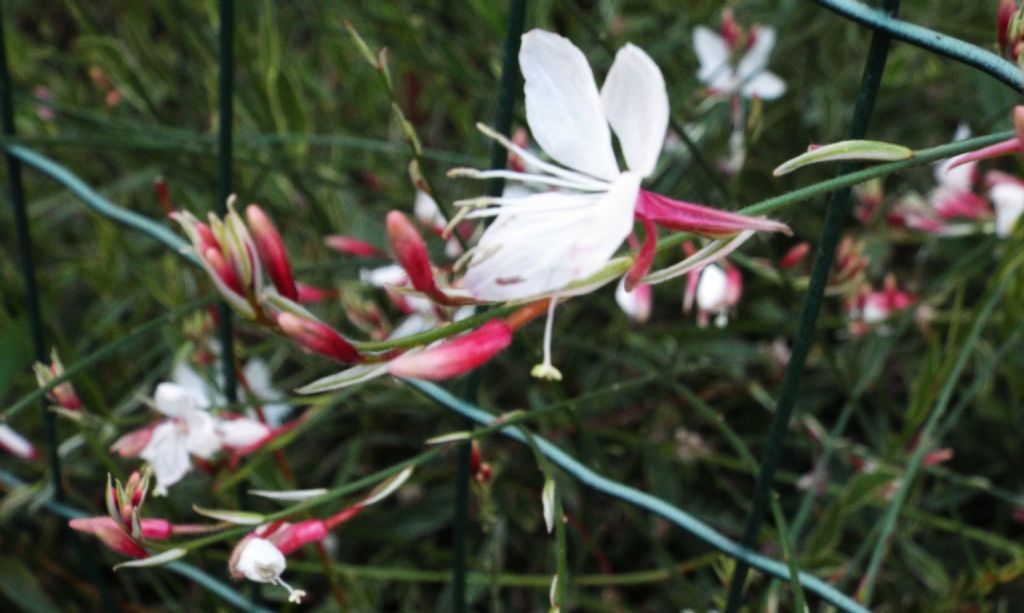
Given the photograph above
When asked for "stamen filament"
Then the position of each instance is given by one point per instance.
(539, 163)
(524, 177)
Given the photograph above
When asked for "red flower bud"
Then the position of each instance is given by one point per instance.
(795, 255)
(411, 252)
(352, 246)
(454, 357)
(317, 337)
(271, 251)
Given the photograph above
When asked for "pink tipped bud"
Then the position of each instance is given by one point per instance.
(107, 530)
(223, 270)
(1006, 147)
(131, 444)
(411, 252)
(454, 357)
(309, 294)
(938, 456)
(686, 217)
(795, 255)
(1003, 17)
(731, 31)
(207, 240)
(317, 337)
(271, 250)
(352, 246)
(294, 536)
(16, 444)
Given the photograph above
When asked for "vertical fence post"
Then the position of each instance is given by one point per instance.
(503, 124)
(835, 215)
(225, 118)
(16, 193)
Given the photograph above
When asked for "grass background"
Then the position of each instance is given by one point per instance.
(317, 147)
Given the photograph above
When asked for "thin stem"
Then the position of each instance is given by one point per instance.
(953, 48)
(459, 527)
(225, 119)
(837, 212)
(637, 498)
(16, 193)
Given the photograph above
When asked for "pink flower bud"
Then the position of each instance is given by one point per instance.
(456, 356)
(352, 246)
(795, 255)
(294, 536)
(411, 252)
(207, 240)
(309, 294)
(16, 444)
(130, 445)
(317, 337)
(271, 250)
(224, 271)
(105, 529)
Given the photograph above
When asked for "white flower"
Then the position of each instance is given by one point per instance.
(1008, 199)
(542, 242)
(262, 562)
(748, 76)
(188, 430)
(242, 432)
(270, 399)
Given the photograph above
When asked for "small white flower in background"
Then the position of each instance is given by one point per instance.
(729, 68)
(270, 399)
(715, 290)
(261, 561)
(188, 430)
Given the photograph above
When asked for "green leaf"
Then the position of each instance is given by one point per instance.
(158, 560)
(242, 518)
(873, 150)
(345, 378)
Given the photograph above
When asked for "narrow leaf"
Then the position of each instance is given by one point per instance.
(449, 438)
(158, 560)
(345, 378)
(386, 488)
(242, 518)
(289, 495)
(847, 150)
(547, 499)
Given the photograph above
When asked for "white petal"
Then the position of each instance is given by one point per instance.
(261, 561)
(427, 212)
(766, 86)
(393, 274)
(257, 374)
(712, 53)
(167, 455)
(634, 304)
(636, 105)
(15, 443)
(961, 177)
(241, 432)
(174, 400)
(563, 108)
(1008, 200)
(756, 58)
(202, 439)
(189, 379)
(712, 289)
(522, 255)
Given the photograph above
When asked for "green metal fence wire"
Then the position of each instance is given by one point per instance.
(835, 215)
(885, 26)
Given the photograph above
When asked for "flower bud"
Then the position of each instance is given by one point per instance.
(294, 536)
(352, 246)
(317, 337)
(107, 530)
(131, 444)
(411, 252)
(271, 251)
(795, 255)
(63, 395)
(16, 444)
(456, 356)
(309, 294)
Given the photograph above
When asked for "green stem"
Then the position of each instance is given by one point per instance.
(225, 121)
(16, 192)
(835, 215)
(642, 500)
(953, 48)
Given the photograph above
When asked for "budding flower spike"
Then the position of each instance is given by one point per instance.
(260, 555)
(63, 395)
(542, 242)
